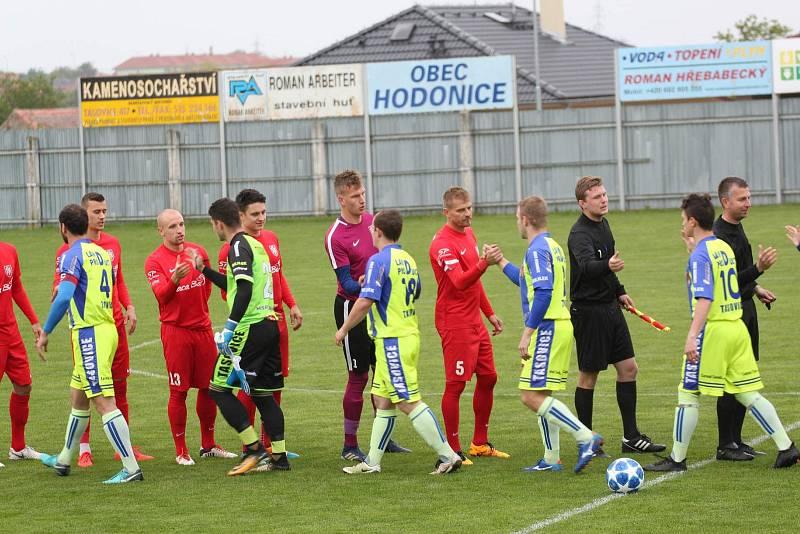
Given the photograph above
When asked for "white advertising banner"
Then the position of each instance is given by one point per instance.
(786, 65)
(314, 92)
(244, 95)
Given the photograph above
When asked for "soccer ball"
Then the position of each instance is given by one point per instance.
(624, 475)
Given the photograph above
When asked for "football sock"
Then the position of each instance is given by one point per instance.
(626, 400)
(234, 413)
(584, 401)
(18, 410)
(277, 395)
(85, 435)
(737, 421)
(176, 413)
(686, 415)
(247, 402)
(120, 437)
(725, 406)
(557, 414)
(482, 406)
(272, 417)
(765, 415)
(428, 428)
(382, 428)
(121, 397)
(207, 414)
(550, 438)
(76, 424)
(352, 404)
(85, 448)
(450, 411)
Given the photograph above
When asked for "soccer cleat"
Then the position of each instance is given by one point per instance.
(733, 453)
(353, 454)
(487, 449)
(85, 459)
(27, 453)
(216, 452)
(362, 468)
(393, 446)
(747, 449)
(541, 465)
(2, 465)
(600, 453)
(666, 464)
(123, 477)
(51, 460)
(464, 459)
(587, 451)
(138, 454)
(275, 462)
(184, 459)
(250, 461)
(292, 455)
(787, 458)
(443, 468)
(641, 443)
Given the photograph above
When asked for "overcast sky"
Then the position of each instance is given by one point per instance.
(50, 33)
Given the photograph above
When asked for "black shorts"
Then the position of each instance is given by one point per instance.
(358, 347)
(601, 335)
(750, 319)
(258, 345)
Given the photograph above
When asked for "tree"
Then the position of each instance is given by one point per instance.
(34, 90)
(751, 28)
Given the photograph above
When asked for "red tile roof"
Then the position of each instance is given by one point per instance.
(32, 119)
(193, 61)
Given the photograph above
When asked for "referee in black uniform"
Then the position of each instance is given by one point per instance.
(601, 333)
(734, 195)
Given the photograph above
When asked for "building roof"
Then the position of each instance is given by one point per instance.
(33, 119)
(579, 68)
(234, 60)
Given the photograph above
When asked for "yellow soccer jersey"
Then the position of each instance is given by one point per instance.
(711, 274)
(88, 267)
(392, 281)
(544, 267)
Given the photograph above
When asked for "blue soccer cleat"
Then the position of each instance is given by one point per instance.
(354, 454)
(123, 477)
(541, 465)
(587, 450)
(292, 455)
(51, 460)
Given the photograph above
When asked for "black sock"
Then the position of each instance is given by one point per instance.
(626, 400)
(584, 401)
(725, 408)
(232, 410)
(738, 414)
(271, 416)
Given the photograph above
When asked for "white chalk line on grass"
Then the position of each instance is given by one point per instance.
(597, 503)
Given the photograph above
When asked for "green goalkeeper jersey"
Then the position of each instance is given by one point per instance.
(247, 260)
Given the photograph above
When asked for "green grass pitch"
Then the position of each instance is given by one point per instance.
(491, 496)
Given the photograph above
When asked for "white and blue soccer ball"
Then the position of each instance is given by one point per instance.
(624, 475)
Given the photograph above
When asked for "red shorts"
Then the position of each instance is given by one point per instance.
(467, 351)
(283, 328)
(14, 361)
(190, 356)
(121, 366)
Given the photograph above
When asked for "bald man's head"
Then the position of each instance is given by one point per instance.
(171, 228)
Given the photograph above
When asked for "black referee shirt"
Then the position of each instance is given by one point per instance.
(733, 234)
(591, 245)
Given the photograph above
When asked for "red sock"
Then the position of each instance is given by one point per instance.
(176, 411)
(247, 402)
(482, 406)
(352, 404)
(207, 413)
(450, 398)
(85, 436)
(18, 410)
(121, 397)
(277, 395)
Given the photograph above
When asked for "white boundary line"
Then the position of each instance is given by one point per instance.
(588, 507)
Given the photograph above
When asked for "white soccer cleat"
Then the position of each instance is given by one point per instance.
(443, 468)
(217, 452)
(184, 459)
(362, 468)
(28, 453)
(2, 466)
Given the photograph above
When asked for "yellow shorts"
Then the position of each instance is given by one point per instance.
(550, 351)
(93, 351)
(726, 362)
(395, 375)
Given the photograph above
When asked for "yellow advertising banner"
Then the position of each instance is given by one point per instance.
(149, 99)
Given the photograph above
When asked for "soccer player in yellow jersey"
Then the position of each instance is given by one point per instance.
(85, 291)
(718, 356)
(388, 296)
(546, 343)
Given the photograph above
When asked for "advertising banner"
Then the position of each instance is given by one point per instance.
(786, 65)
(694, 71)
(149, 99)
(440, 85)
(244, 95)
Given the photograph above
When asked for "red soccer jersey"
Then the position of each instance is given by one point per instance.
(350, 244)
(11, 288)
(120, 293)
(186, 304)
(458, 268)
(281, 294)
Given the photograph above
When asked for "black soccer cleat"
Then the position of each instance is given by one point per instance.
(666, 465)
(393, 446)
(275, 462)
(733, 453)
(641, 443)
(787, 458)
(747, 449)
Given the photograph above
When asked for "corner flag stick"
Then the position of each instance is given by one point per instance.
(648, 319)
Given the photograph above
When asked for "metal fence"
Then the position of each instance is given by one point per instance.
(668, 150)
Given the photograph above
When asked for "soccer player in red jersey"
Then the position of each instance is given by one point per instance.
(467, 348)
(348, 243)
(13, 358)
(96, 207)
(253, 214)
(182, 293)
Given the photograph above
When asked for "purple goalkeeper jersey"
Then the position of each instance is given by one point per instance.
(350, 244)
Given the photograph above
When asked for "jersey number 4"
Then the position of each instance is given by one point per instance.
(105, 287)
